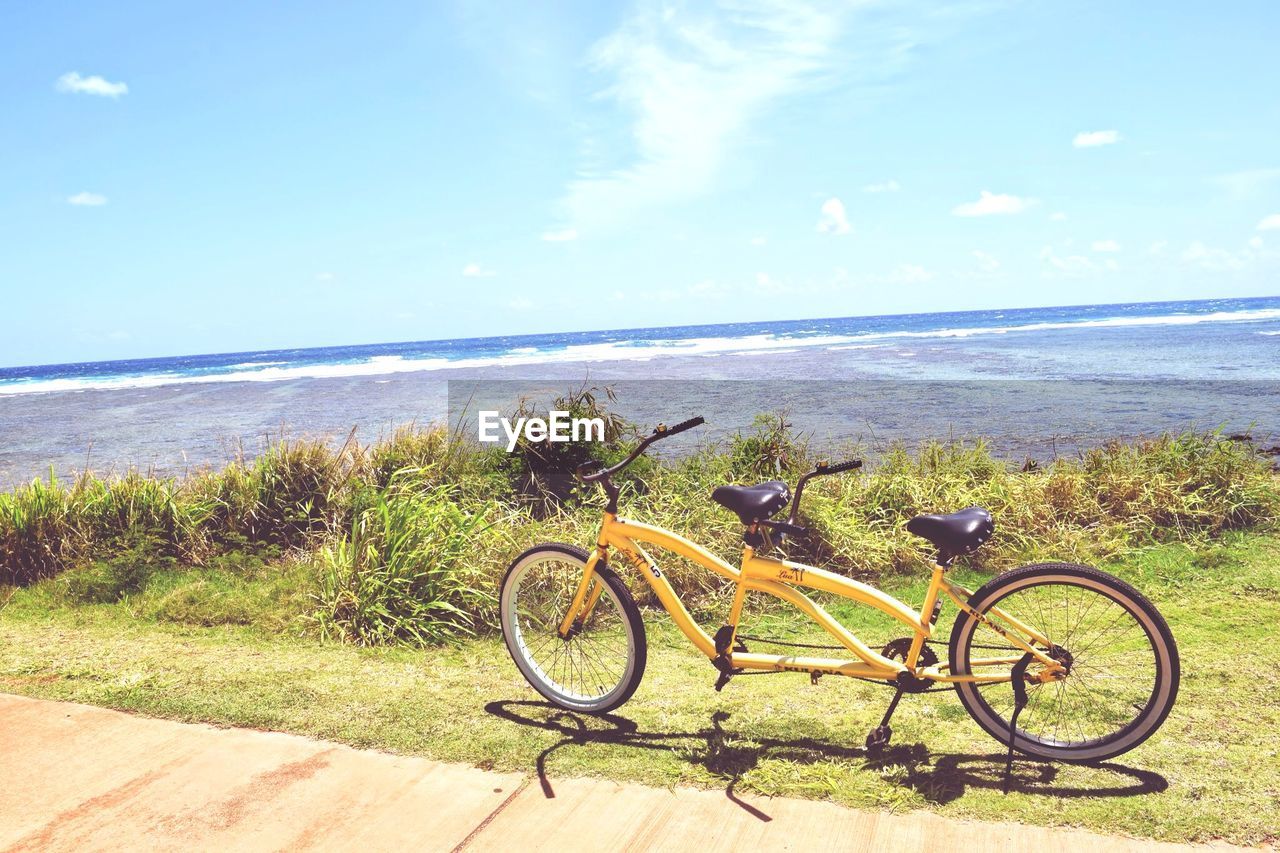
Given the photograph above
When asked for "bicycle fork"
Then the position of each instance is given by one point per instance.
(584, 600)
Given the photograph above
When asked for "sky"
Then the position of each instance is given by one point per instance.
(232, 176)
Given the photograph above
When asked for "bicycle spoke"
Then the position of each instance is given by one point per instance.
(1110, 662)
(594, 659)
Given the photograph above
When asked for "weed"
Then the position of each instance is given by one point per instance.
(404, 529)
(406, 571)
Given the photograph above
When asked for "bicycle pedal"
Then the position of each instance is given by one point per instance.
(879, 738)
(722, 680)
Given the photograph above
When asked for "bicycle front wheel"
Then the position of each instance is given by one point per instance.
(1121, 662)
(600, 664)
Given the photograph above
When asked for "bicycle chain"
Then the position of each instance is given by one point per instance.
(793, 645)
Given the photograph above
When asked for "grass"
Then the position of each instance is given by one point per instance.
(309, 496)
(226, 644)
(406, 571)
(349, 593)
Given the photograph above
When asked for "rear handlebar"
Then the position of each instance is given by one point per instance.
(838, 468)
(820, 470)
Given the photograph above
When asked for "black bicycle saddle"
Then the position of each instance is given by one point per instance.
(956, 532)
(753, 503)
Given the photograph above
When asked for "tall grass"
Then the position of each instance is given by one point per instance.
(410, 535)
(37, 531)
(1112, 499)
(409, 569)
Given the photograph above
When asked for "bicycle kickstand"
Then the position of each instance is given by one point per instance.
(1018, 678)
(878, 739)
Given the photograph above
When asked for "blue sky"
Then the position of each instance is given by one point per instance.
(205, 177)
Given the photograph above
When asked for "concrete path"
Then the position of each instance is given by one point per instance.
(74, 777)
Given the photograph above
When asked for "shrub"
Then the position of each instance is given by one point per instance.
(126, 572)
(1171, 486)
(117, 515)
(542, 474)
(772, 449)
(302, 488)
(408, 570)
(413, 532)
(36, 531)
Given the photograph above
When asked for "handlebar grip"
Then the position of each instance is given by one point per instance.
(851, 465)
(664, 431)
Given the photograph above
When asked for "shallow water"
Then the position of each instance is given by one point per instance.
(1082, 375)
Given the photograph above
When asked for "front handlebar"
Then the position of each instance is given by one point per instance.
(663, 431)
(594, 471)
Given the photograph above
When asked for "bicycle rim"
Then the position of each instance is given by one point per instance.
(592, 669)
(1117, 689)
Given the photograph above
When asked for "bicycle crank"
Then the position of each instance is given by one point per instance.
(906, 682)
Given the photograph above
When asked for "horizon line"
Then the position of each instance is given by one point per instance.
(626, 329)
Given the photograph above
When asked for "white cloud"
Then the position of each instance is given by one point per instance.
(1246, 184)
(325, 276)
(690, 81)
(889, 186)
(73, 83)
(1255, 242)
(1094, 138)
(474, 270)
(563, 235)
(833, 219)
(758, 241)
(520, 303)
(708, 287)
(986, 262)
(991, 204)
(1158, 247)
(686, 86)
(910, 274)
(767, 284)
(1106, 246)
(1058, 216)
(1270, 223)
(1070, 264)
(87, 199)
(1215, 259)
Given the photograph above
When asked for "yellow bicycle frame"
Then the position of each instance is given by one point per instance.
(780, 578)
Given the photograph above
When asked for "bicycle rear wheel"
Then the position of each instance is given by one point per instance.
(600, 665)
(1121, 660)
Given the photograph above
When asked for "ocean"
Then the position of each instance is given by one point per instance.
(1036, 380)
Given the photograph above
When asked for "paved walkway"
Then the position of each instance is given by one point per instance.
(74, 777)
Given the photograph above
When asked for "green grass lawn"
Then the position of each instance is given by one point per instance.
(1212, 771)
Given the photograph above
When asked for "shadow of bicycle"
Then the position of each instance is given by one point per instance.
(731, 755)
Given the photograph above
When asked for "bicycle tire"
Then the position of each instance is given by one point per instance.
(1166, 664)
(543, 678)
